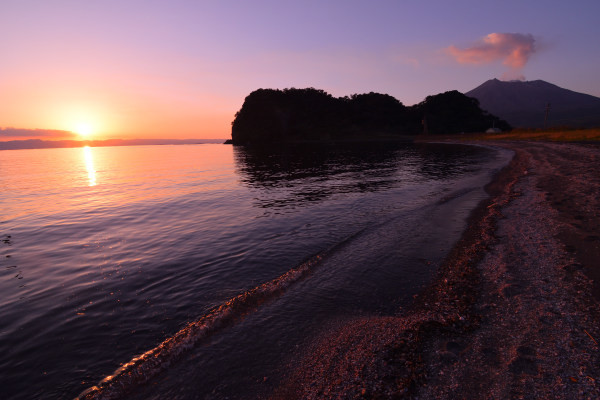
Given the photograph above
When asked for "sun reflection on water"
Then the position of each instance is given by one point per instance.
(89, 165)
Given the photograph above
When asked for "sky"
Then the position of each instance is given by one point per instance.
(181, 69)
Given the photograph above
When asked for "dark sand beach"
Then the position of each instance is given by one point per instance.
(513, 312)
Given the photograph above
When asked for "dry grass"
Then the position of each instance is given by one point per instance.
(552, 135)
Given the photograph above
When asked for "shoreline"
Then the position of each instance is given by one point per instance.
(511, 313)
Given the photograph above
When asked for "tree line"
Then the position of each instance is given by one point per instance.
(273, 115)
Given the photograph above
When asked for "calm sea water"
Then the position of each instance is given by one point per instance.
(106, 253)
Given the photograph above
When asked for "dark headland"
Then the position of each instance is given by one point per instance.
(271, 116)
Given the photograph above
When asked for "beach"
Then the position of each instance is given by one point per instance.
(513, 311)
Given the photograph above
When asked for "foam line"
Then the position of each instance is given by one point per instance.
(144, 367)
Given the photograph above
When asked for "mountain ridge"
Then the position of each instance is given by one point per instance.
(523, 104)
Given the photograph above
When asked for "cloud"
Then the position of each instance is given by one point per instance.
(513, 49)
(18, 133)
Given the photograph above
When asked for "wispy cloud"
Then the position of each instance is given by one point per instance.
(513, 49)
(18, 133)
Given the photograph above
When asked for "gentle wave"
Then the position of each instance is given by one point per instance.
(147, 365)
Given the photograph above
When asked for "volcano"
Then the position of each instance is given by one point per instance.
(537, 104)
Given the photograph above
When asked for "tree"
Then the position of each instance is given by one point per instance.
(453, 112)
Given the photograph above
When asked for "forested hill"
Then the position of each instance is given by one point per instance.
(273, 115)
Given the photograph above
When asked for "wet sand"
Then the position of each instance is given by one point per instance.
(513, 313)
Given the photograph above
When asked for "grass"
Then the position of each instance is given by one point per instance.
(551, 135)
(541, 135)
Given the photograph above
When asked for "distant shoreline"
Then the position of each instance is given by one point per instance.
(58, 144)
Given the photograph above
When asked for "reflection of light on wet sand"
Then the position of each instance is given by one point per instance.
(89, 165)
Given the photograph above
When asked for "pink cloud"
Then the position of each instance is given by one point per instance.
(514, 49)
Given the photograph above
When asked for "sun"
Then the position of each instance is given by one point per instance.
(84, 130)
(84, 121)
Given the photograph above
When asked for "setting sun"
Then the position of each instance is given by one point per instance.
(84, 130)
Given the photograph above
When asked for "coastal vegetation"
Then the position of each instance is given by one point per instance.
(546, 135)
(291, 115)
(554, 135)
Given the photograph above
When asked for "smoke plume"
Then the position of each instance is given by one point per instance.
(514, 49)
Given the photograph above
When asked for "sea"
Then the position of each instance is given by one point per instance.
(208, 270)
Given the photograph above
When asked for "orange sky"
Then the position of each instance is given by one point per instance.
(104, 110)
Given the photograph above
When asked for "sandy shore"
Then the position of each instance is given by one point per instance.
(513, 313)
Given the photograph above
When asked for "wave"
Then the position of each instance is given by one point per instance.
(144, 367)
(455, 195)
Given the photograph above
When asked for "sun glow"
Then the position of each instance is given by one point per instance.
(86, 120)
(86, 131)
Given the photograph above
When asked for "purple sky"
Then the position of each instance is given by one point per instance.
(181, 69)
